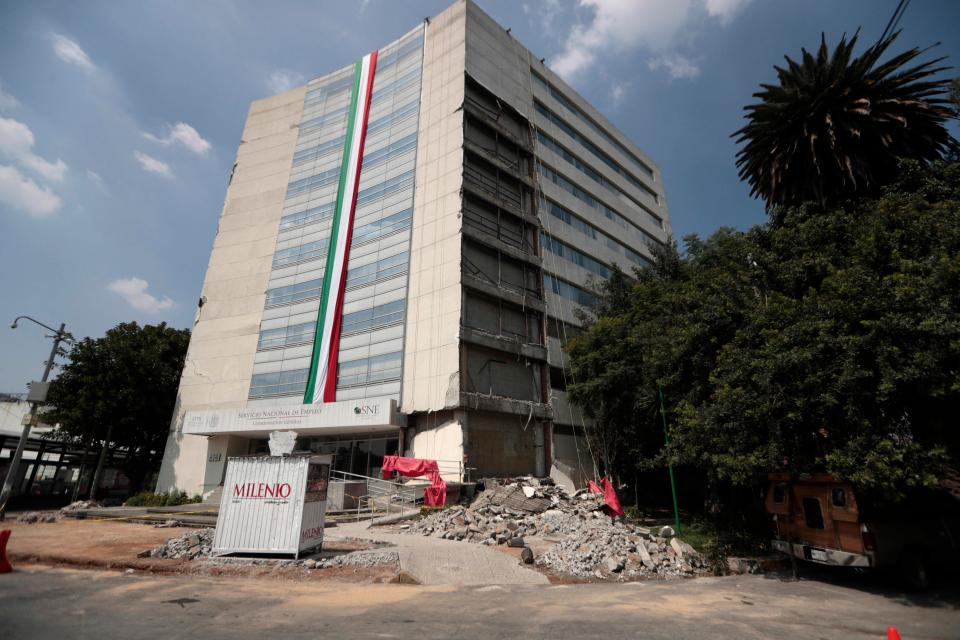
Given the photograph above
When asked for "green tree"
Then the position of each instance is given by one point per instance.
(836, 126)
(828, 341)
(120, 391)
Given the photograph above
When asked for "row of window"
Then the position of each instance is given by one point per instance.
(358, 276)
(592, 173)
(570, 254)
(303, 333)
(568, 291)
(592, 148)
(378, 270)
(316, 181)
(324, 211)
(373, 159)
(278, 383)
(589, 230)
(375, 317)
(287, 336)
(397, 85)
(370, 370)
(382, 227)
(315, 250)
(576, 111)
(401, 52)
(586, 197)
(313, 214)
(384, 189)
(332, 87)
(398, 114)
(321, 121)
(381, 368)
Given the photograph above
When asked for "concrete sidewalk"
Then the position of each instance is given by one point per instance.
(433, 561)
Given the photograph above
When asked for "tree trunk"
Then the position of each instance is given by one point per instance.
(103, 456)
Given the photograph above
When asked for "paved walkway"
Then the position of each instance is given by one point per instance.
(433, 561)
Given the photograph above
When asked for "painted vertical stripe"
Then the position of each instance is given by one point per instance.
(322, 382)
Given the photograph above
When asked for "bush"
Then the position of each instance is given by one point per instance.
(168, 499)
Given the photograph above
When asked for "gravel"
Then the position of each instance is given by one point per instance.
(586, 542)
(197, 546)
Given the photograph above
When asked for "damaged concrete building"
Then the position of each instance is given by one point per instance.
(402, 249)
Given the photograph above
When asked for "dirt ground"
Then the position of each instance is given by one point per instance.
(106, 544)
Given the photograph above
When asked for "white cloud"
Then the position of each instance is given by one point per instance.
(70, 52)
(21, 192)
(152, 165)
(16, 143)
(617, 93)
(677, 66)
(134, 291)
(283, 80)
(543, 14)
(725, 9)
(7, 101)
(618, 26)
(184, 134)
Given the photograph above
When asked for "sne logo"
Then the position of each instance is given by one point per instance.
(262, 490)
(367, 410)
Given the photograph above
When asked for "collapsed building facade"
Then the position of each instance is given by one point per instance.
(402, 249)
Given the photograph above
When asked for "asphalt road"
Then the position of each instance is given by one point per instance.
(39, 603)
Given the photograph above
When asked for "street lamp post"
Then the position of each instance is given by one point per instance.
(59, 335)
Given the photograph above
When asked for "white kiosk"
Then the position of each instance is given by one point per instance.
(273, 504)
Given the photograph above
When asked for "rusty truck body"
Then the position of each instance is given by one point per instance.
(819, 519)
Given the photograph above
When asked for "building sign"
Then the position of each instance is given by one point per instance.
(371, 414)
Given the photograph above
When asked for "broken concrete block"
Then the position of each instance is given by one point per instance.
(526, 554)
(645, 556)
(616, 565)
(677, 547)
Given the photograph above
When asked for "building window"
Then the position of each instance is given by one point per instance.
(287, 336)
(294, 292)
(379, 316)
(384, 268)
(279, 383)
(812, 513)
(580, 115)
(569, 291)
(380, 368)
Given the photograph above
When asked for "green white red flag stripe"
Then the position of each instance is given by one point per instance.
(322, 380)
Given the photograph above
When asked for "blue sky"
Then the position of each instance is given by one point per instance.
(119, 121)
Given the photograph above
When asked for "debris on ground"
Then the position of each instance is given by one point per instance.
(586, 542)
(33, 517)
(188, 546)
(197, 545)
(80, 505)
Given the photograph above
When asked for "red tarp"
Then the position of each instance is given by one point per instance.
(434, 496)
(609, 495)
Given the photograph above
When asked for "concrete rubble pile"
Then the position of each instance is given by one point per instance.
(188, 546)
(196, 545)
(80, 505)
(33, 517)
(586, 542)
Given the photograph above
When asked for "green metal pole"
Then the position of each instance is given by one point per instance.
(673, 485)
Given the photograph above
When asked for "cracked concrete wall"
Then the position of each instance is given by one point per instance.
(431, 354)
(226, 328)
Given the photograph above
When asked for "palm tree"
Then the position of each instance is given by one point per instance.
(836, 126)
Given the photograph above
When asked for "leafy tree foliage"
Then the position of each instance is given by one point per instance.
(120, 391)
(828, 341)
(837, 125)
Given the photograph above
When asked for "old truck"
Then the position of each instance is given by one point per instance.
(819, 519)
